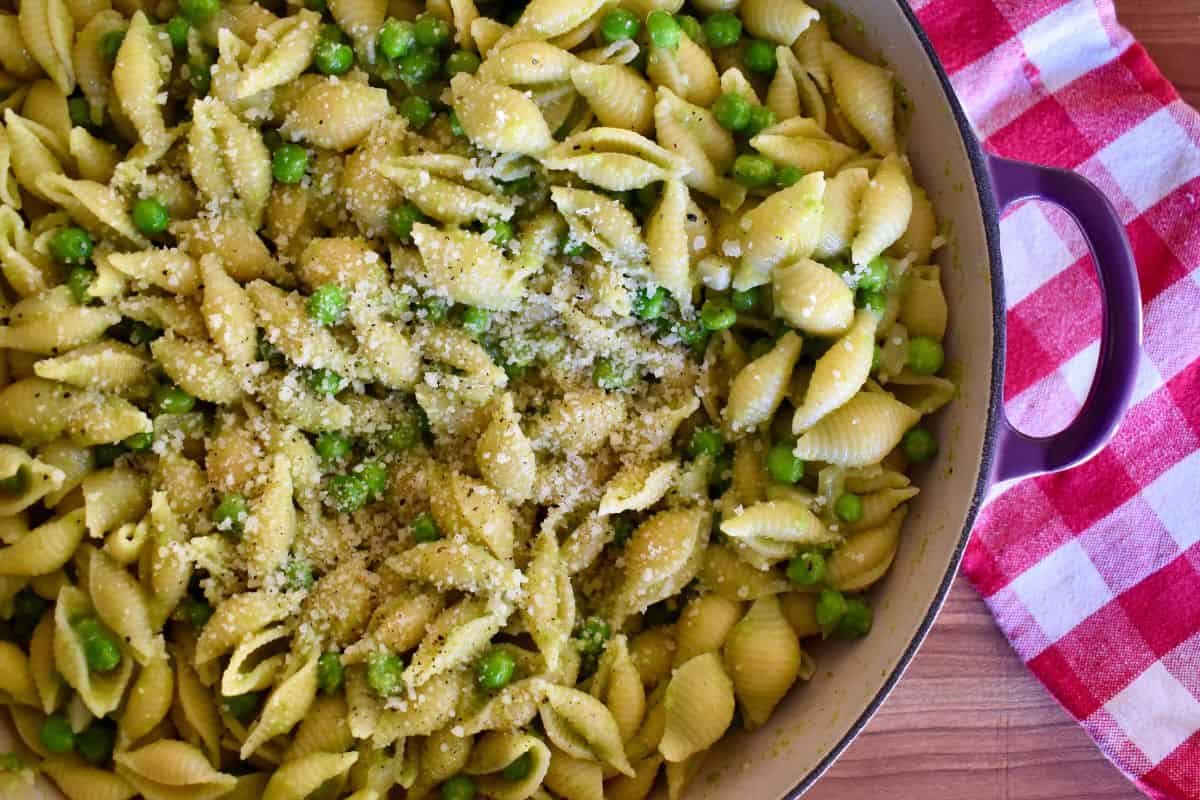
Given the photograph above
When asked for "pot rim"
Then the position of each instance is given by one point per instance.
(991, 222)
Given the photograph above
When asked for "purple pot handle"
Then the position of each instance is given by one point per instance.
(1018, 455)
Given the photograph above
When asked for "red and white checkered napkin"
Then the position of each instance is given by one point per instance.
(1094, 573)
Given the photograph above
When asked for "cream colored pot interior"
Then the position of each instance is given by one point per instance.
(811, 724)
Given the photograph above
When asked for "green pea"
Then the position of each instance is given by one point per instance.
(110, 45)
(761, 118)
(327, 304)
(289, 163)
(333, 58)
(876, 276)
(230, 514)
(172, 400)
(925, 355)
(416, 110)
(723, 29)
(831, 607)
(435, 309)
(403, 437)
(746, 300)
(623, 527)
(79, 111)
(476, 321)
(519, 769)
(650, 304)
(572, 247)
(691, 27)
(241, 707)
(79, 281)
(196, 612)
(501, 232)
(788, 176)
(610, 375)
(520, 187)
(199, 69)
(760, 56)
(401, 220)
(425, 529)
(56, 734)
(396, 38)
(325, 381)
(177, 32)
(664, 31)
(782, 464)
(495, 669)
(419, 66)
(105, 455)
(330, 673)
(717, 314)
(150, 216)
(919, 445)
(199, 12)
(431, 31)
(96, 742)
(71, 246)
(849, 508)
(138, 332)
(100, 647)
(691, 333)
(456, 128)
(806, 569)
(29, 605)
(593, 635)
(297, 574)
(17, 482)
(875, 301)
(732, 111)
(706, 442)
(460, 787)
(462, 61)
(138, 442)
(759, 348)
(753, 171)
(332, 446)
(385, 673)
(619, 24)
(348, 493)
(856, 622)
(375, 475)
(332, 33)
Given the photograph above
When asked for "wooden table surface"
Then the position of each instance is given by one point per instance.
(968, 720)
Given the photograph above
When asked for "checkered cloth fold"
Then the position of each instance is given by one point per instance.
(1094, 573)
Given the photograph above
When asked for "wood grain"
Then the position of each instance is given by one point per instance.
(969, 720)
(1170, 30)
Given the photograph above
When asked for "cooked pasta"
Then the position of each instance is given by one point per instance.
(398, 398)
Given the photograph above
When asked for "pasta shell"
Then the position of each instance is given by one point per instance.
(865, 95)
(802, 143)
(498, 118)
(617, 94)
(813, 298)
(887, 207)
(582, 727)
(784, 227)
(861, 432)
(759, 389)
(865, 557)
(699, 704)
(839, 374)
(763, 658)
(779, 21)
(704, 625)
